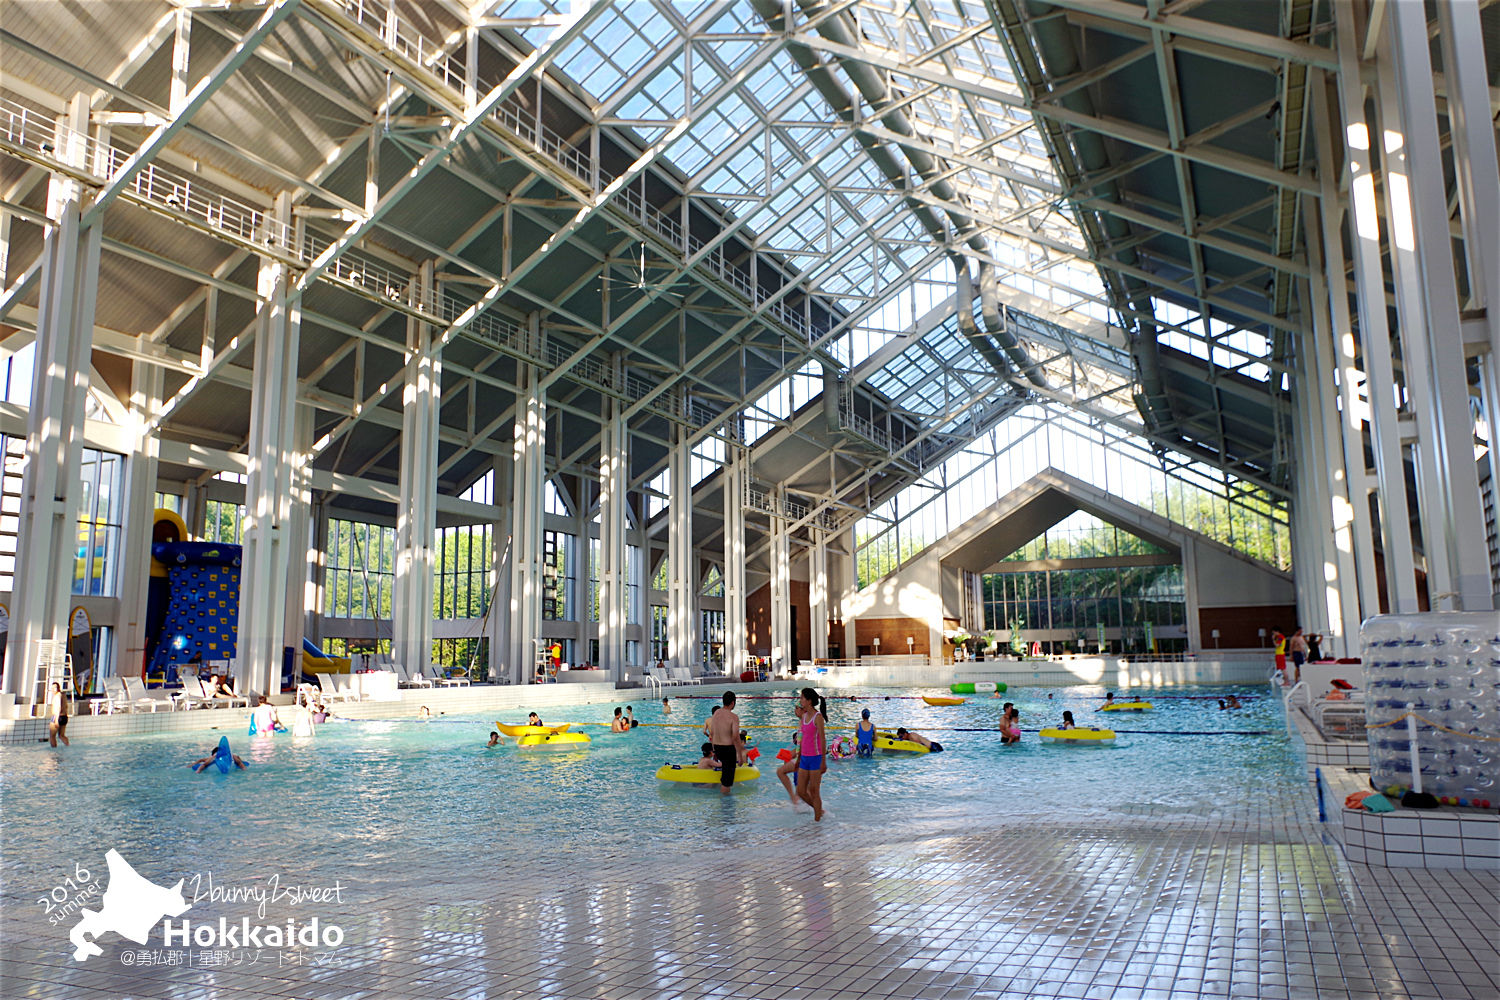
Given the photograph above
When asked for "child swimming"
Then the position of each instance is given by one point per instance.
(1067, 722)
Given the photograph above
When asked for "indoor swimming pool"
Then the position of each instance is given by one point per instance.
(1185, 860)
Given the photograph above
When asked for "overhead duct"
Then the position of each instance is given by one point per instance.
(878, 96)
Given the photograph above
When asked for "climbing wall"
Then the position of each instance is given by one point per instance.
(203, 613)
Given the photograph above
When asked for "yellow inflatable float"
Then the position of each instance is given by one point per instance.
(1127, 706)
(899, 746)
(517, 731)
(1082, 737)
(942, 700)
(685, 775)
(553, 741)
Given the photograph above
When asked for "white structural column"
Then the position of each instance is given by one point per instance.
(817, 593)
(50, 488)
(735, 632)
(1374, 333)
(416, 517)
(614, 481)
(682, 561)
(268, 490)
(1329, 264)
(146, 383)
(580, 597)
(1452, 516)
(1475, 170)
(783, 641)
(529, 474)
(497, 629)
(303, 547)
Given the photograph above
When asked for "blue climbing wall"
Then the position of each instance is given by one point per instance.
(203, 611)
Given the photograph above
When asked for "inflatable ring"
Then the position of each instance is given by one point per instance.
(702, 775)
(1081, 737)
(842, 749)
(553, 741)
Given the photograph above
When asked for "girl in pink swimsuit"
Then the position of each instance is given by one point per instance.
(813, 745)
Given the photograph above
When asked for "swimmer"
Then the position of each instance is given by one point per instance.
(919, 739)
(494, 740)
(1234, 702)
(202, 763)
(425, 713)
(1010, 726)
(533, 719)
(864, 735)
(708, 760)
(666, 706)
(710, 721)
(1222, 706)
(1068, 720)
(724, 734)
(814, 760)
(1109, 699)
(618, 723)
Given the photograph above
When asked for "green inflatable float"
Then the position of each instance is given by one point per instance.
(978, 687)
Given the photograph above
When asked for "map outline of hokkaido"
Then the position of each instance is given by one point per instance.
(132, 906)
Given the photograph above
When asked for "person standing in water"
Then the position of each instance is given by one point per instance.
(864, 735)
(57, 708)
(724, 734)
(666, 706)
(814, 759)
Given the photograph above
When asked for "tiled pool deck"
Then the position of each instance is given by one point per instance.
(1251, 903)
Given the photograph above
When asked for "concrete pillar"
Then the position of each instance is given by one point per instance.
(528, 478)
(416, 517)
(503, 669)
(50, 492)
(682, 560)
(146, 384)
(268, 491)
(317, 569)
(783, 641)
(303, 546)
(1433, 351)
(614, 480)
(817, 591)
(1374, 333)
(582, 595)
(735, 628)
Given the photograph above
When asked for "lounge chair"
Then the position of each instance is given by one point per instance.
(117, 698)
(410, 678)
(344, 684)
(436, 675)
(148, 698)
(192, 693)
(330, 688)
(684, 675)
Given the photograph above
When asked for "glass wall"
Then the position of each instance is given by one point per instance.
(712, 639)
(361, 570)
(462, 572)
(1042, 436)
(557, 576)
(223, 522)
(97, 564)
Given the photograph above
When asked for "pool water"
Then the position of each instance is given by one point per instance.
(366, 795)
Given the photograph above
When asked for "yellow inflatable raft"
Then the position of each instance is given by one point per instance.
(685, 775)
(514, 731)
(1126, 706)
(899, 746)
(1083, 737)
(942, 700)
(553, 741)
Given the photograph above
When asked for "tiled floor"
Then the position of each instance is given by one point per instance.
(1248, 903)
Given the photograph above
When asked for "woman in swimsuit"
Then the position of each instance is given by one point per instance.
(813, 762)
(864, 735)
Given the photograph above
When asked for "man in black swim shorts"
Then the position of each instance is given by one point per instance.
(724, 733)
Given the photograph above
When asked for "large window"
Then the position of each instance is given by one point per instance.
(97, 564)
(223, 522)
(462, 572)
(712, 639)
(361, 572)
(472, 655)
(1077, 602)
(659, 646)
(557, 576)
(13, 453)
(168, 501)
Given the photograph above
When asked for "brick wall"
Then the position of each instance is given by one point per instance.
(1238, 626)
(758, 621)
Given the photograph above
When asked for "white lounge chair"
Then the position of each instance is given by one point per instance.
(683, 675)
(330, 688)
(345, 685)
(142, 697)
(410, 678)
(192, 693)
(117, 698)
(432, 673)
